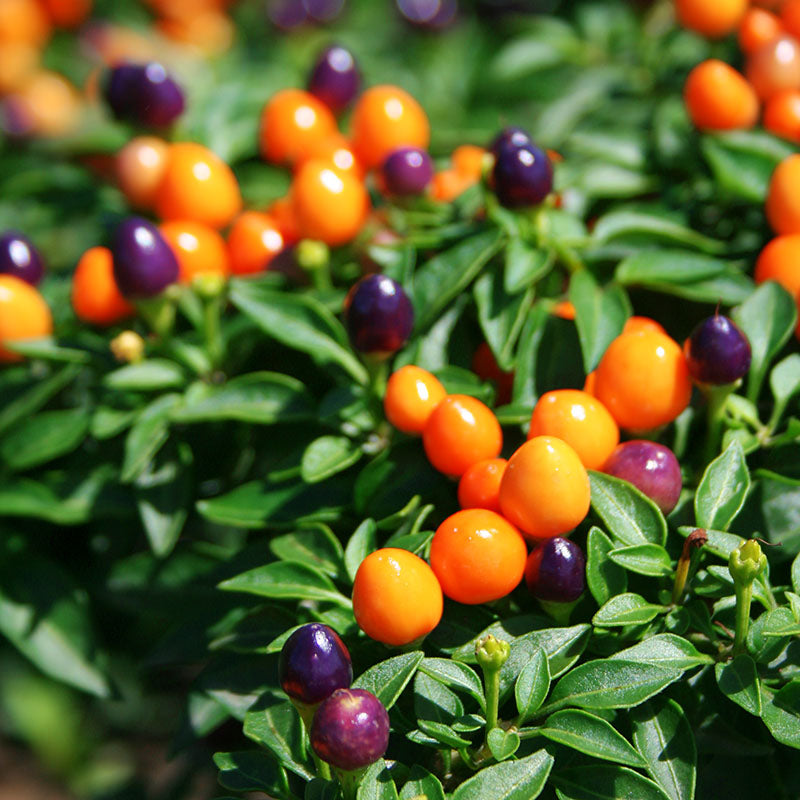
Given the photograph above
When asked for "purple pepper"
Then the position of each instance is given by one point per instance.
(379, 315)
(407, 171)
(335, 78)
(144, 264)
(717, 352)
(19, 257)
(556, 571)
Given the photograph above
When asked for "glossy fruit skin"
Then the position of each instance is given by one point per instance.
(714, 18)
(650, 467)
(198, 185)
(253, 242)
(717, 351)
(522, 176)
(479, 486)
(378, 314)
(329, 205)
(314, 663)
(291, 122)
(783, 199)
(412, 393)
(19, 257)
(144, 94)
(779, 261)
(335, 79)
(144, 264)
(477, 556)
(337, 151)
(775, 67)
(512, 137)
(385, 118)
(200, 250)
(757, 28)
(556, 571)
(407, 171)
(24, 314)
(96, 298)
(350, 729)
(396, 597)
(717, 97)
(580, 420)
(545, 488)
(448, 184)
(782, 115)
(460, 432)
(634, 324)
(643, 380)
(140, 166)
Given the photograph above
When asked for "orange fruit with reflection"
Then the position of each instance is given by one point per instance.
(95, 296)
(758, 27)
(253, 241)
(717, 97)
(713, 18)
(412, 393)
(140, 166)
(24, 314)
(200, 250)
(479, 486)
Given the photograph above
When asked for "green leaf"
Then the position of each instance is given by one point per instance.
(275, 724)
(421, 783)
(626, 609)
(443, 733)
(663, 735)
(31, 400)
(510, 780)
(738, 681)
(43, 437)
(326, 456)
(532, 685)
(644, 559)
(377, 783)
(147, 436)
(591, 735)
(286, 580)
(665, 650)
(723, 489)
(163, 497)
(297, 321)
(783, 723)
(434, 702)
(454, 675)
(610, 683)
(49, 349)
(317, 789)
(154, 374)
(318, 547)
(47, 619)
(784, 381)
(767, 317)
(501, 315)
(796, 573)
(602, 782)
(618, 224)
(442, 278)
(604, 578)
(252, 771)
(387, 679)
(261, 398)
(502, 744)
(525, 386)
(628, 515)
(600, 315)
(359, 546)
(658, 267)
(524, 265)
(107, 422)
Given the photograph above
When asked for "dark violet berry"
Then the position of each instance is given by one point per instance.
(323, 10)
(144, 263)
(144, 94)
(350, 729)
(314, 663)
(379, 315)
(651, 467)
(556, 571)
(287, 14)
(407, 171)
(430, 14)
(18, 257)
(335, 78)
(521, 176)
(717, 352)
(511, 136)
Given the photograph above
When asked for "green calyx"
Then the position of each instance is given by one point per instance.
(311, 254)
(492, 653)
(746, 563)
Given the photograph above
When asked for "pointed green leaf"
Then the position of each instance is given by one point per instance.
(502, 744)
(604, 578)
(524, 265)
(627, 609)
(644, 559)
(43, 437)
(275, 724)
(252, 771)
(738, 681)
(154, 374)
(723, 489)
(421, 783)
(328, 455)
(359, 546)
(601, 782)
(510, 780)
(387, 679)
(628, 515)
(455, 675)
(532, 685)
(666, 650)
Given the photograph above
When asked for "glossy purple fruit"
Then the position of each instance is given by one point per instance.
(717, 352)
(512, 136)
(379, 315)
(650, 467)
(144, 94)
(18, 257)
(350, 729)
(430, 14)
(314, 663)
(407, 171)
(556, 571)
(335, 78)
(521, 176)
(144, 264)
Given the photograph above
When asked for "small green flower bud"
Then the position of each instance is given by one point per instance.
(492, 653)
(746, 563)
(128, 347)
(208, 285)
(311, 254)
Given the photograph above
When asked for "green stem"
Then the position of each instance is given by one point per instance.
(212, 308)
(716, 396)
(773, 603)
(349, 781)
(492, 682)
(744, 597)
(306, 713)
(159, 314)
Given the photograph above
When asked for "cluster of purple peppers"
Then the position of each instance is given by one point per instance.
(350, 727)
